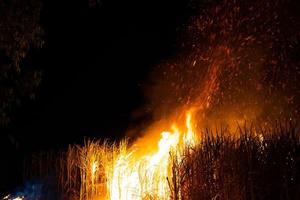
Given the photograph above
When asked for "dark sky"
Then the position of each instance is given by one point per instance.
(94, 62)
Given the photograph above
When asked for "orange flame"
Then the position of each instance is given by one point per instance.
(138, 176)
(120, 173)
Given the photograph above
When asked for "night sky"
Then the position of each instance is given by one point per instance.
(95, 60)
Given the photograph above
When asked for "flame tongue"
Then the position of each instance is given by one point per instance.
(138, 176)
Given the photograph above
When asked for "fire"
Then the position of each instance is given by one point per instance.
(8, 197)
(134, 177)
(225, 77)
(138, 176)
(18, 198)
(120, 172)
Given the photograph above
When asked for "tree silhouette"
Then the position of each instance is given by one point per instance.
(20, 31)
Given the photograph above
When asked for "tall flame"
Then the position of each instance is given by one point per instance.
(138, 176)
(119, 172)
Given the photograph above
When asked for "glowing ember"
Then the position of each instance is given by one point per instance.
(8, 197)
(18, 198)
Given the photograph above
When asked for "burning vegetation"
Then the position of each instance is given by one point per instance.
(119, 171)
(251, 163)
(236, 65)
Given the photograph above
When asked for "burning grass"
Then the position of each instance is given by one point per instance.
(84, 170)
(252, 163)
(121, 171)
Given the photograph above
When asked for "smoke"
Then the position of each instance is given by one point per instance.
(239, 61)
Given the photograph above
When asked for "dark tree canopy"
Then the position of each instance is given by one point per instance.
(19, 32)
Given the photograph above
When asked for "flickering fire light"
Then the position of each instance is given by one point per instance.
(146, 174)
(123, 172)
(8, 197)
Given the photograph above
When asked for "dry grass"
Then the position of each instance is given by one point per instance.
(84, 169)
(260, 164)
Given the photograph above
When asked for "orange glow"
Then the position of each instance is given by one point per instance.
(119, 172)
(7, 197)
(138, 176)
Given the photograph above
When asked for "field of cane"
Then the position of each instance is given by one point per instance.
(251, 163)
